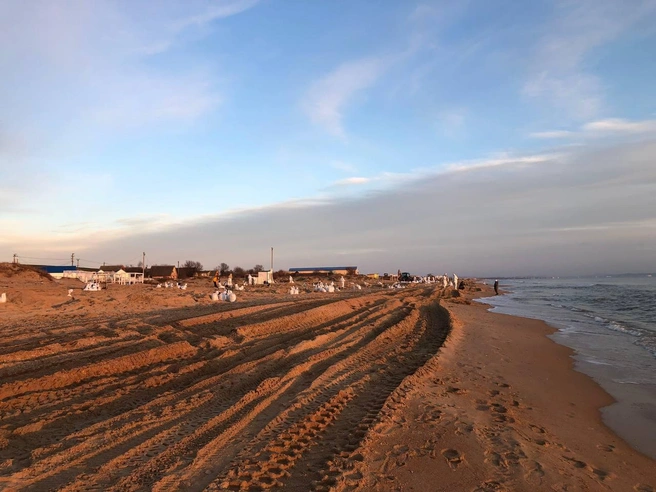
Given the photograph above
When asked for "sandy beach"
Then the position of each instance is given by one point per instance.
(501, 408)
(137, 388)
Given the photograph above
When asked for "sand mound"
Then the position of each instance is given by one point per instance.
(24, 273)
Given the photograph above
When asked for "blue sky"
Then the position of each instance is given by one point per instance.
(122, 121)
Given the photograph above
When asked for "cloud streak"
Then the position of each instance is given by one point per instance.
(326, 100)
(603, 128)
(577, 213)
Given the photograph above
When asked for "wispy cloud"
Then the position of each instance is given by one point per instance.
(603, 128)
(355, 180)
(171, 23)
(558, 74)
(500, 161)
(553, 134)
(343, 166)
(218, 9)
(107, 78)
(617, 125)
(327, 99)
(387, 180)
(143, 99)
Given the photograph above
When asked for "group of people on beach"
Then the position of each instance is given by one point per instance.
(216, 280)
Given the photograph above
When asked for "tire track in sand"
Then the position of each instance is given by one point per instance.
(272, 400)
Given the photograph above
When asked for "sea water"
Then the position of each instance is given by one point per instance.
(610, 322)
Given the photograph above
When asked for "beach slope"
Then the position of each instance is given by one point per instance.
(501, 408)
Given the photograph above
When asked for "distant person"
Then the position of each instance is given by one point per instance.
(462, 285)
(496, 287)
(216, 280)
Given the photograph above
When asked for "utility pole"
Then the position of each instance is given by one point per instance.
(271, 260)
(72, 259)
(143, 263)
(78, 263)
(15, 258)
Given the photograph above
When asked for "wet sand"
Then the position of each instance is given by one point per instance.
(137, 388)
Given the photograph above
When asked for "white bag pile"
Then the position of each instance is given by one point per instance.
(228, 296)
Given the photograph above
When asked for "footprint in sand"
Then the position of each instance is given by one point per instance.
(534, 472)
(498, 408)
(490, 486)
(602, 474)
(452, 457)
(576, 463)
(464, 428)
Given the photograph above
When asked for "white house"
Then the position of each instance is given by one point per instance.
(262, 278)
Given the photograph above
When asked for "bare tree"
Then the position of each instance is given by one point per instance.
(239, 271)
(224, 268)
(258, 268)
(196, 266)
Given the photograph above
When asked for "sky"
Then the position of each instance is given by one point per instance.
(485, 138)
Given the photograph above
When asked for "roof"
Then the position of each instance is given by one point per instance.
(54, 269)
(112, 268)
(133, 269)
(162, 270)
(312, 269)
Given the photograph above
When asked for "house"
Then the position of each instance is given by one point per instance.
(186, 272)
(124, 277)
(338, 270)
(375, 276)
(265, 277)
(164, 271)
(262, 278)
(57, 272)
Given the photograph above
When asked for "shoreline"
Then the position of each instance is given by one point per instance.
(502, 407)
(631, 413)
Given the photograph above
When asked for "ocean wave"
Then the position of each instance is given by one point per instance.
(648, 343)
(615, 326)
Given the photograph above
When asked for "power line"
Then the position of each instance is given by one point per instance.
(35, 258)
